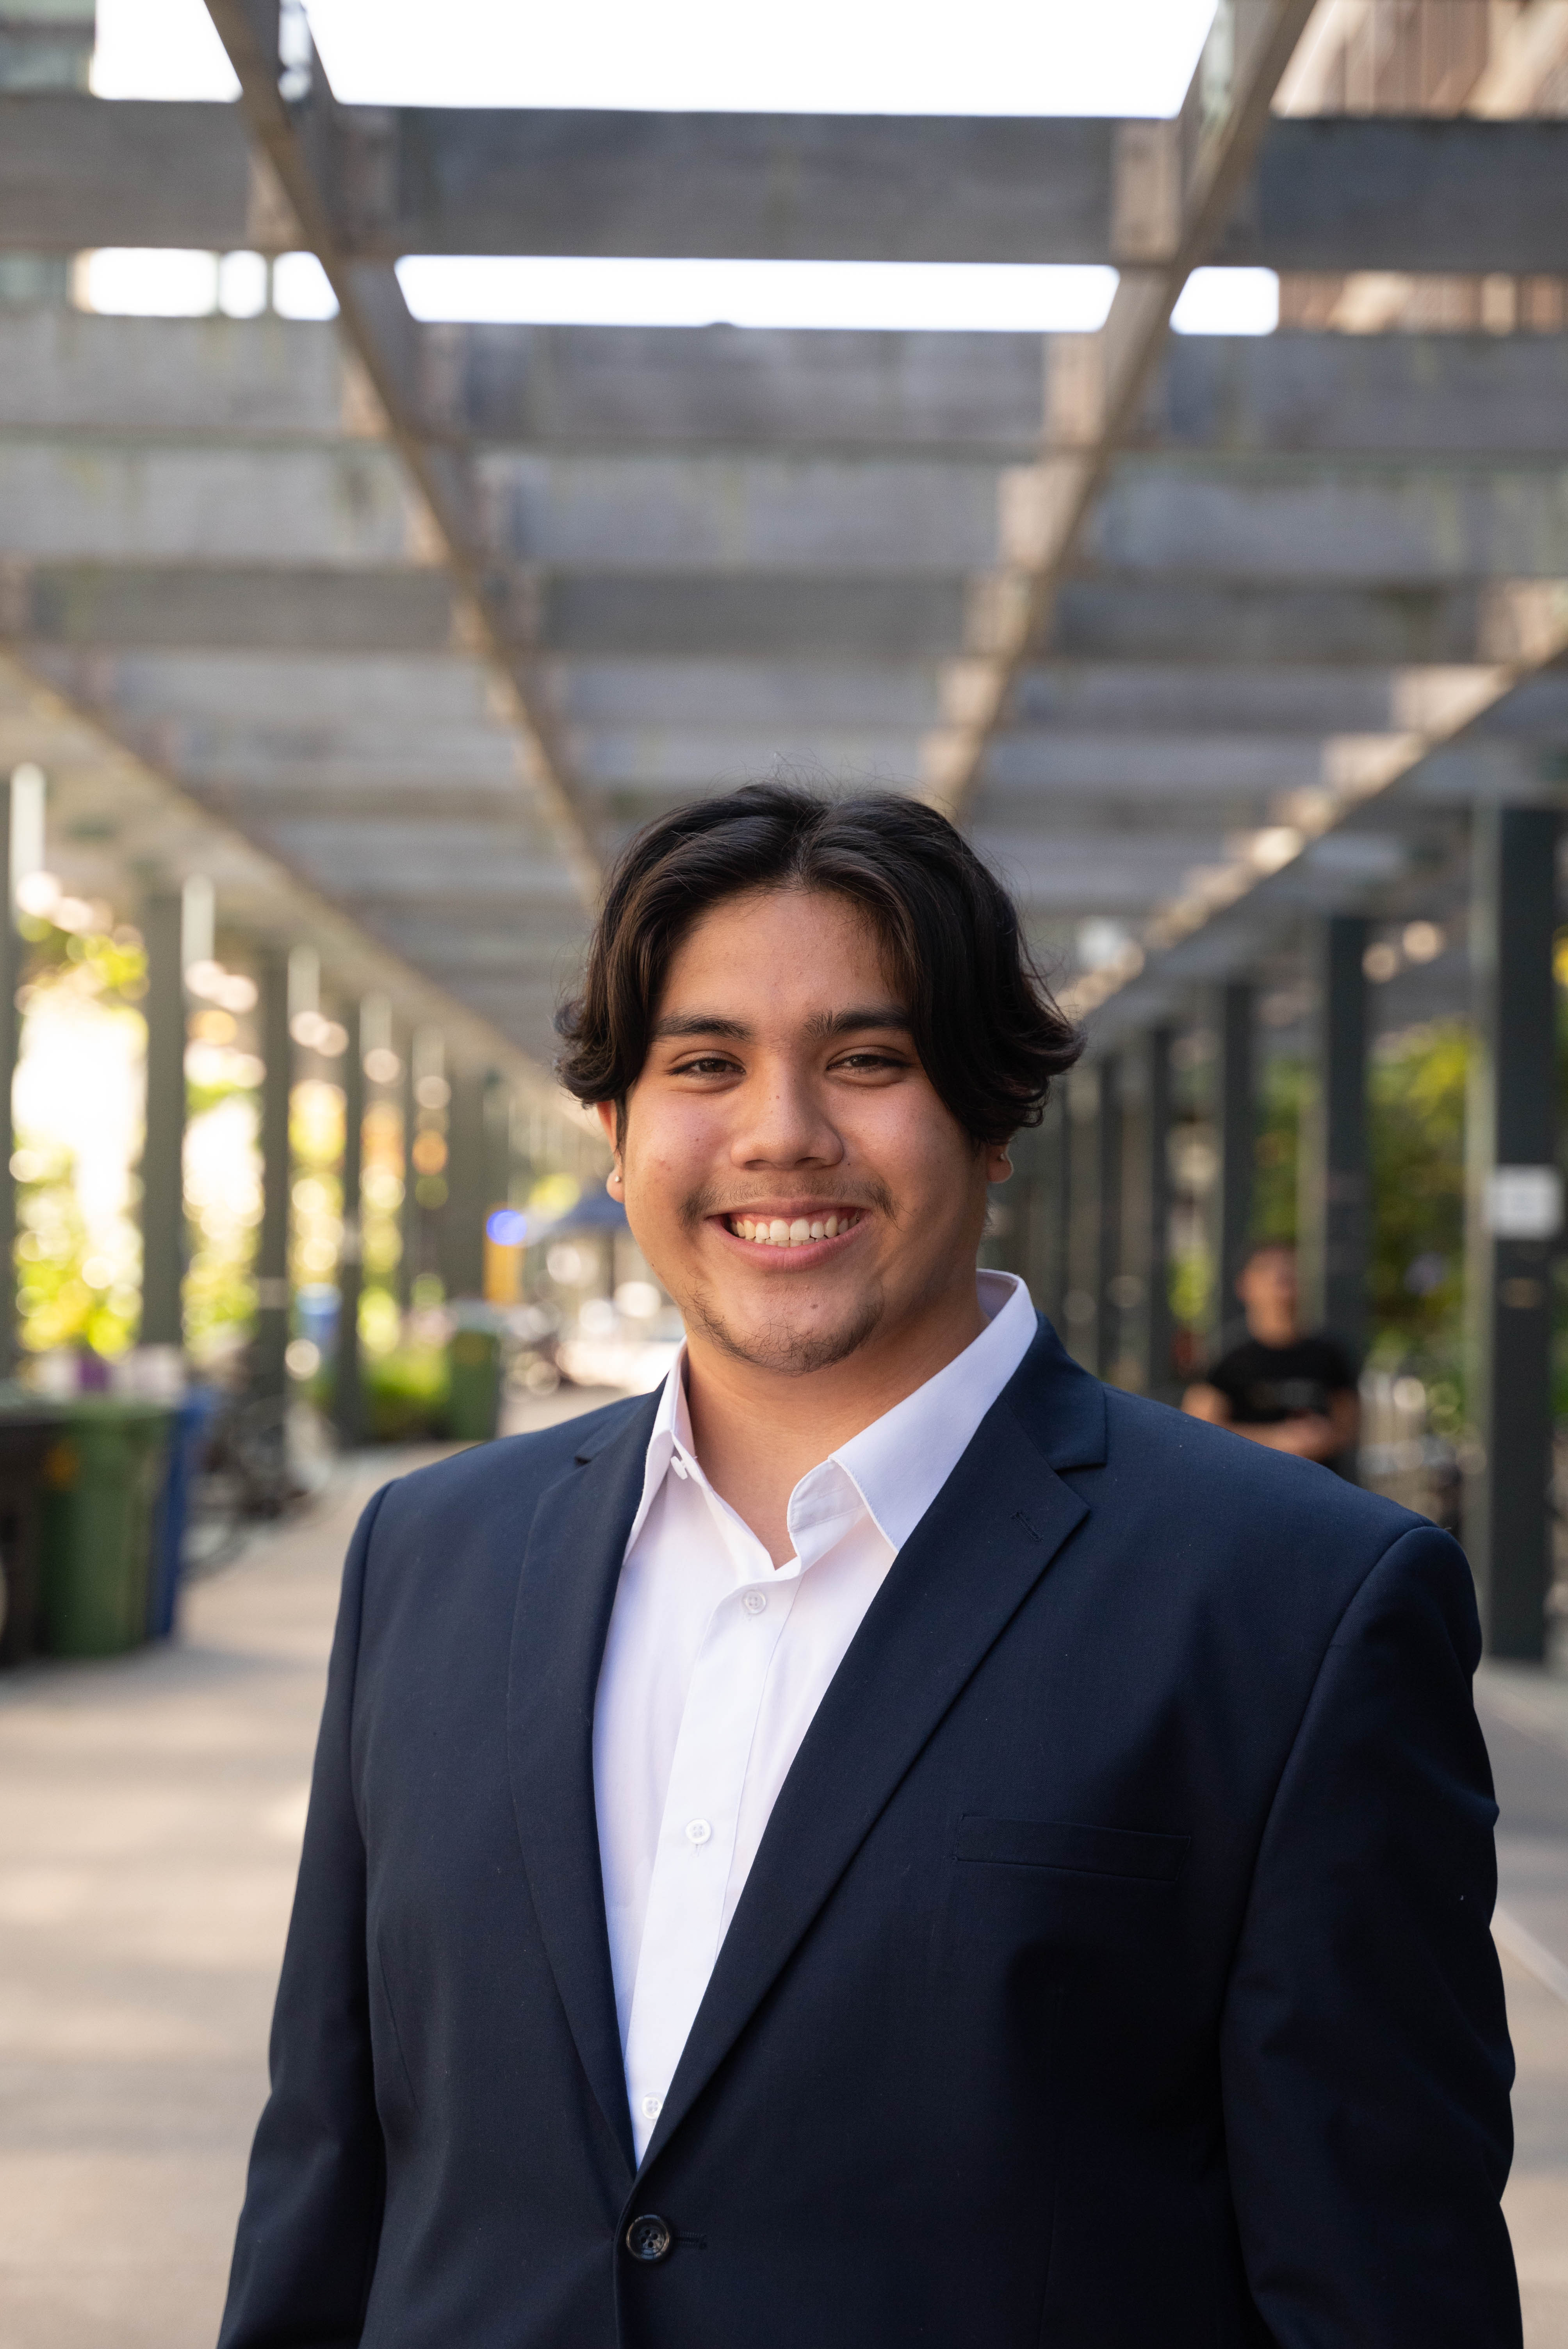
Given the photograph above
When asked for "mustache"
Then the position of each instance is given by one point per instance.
(698, 1205)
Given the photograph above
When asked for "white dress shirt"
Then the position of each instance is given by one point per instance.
(716, 1660)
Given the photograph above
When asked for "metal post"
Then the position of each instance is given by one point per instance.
(1235, 1120)
(1108, 1269)
(463, 1225)
(347, 1397)
(10, 978)
(1515, 1214)
(269, 1376)
(163, 1239)
(1335, 1176)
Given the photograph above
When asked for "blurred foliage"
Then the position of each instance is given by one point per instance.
(1285, 1089)
(68, 1295)
(316, 1140)
(1416, 1110)
(58, 1304)
(406, 1393)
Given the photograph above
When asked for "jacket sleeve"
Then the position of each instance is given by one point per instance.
(311, 2223)
(1365, 2054)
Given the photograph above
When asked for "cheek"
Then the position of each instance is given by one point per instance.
(914, 1148)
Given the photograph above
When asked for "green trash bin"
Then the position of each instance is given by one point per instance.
(102, 1476)
(473, 1400)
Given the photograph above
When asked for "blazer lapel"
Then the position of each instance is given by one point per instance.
(565, 1596)
(964, 1573)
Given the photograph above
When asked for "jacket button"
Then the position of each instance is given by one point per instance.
(649, 2238)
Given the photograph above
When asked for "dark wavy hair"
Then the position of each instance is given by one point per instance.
(989, 1035)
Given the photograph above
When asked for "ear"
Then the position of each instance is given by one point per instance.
(998, 1165)
(605, 1113)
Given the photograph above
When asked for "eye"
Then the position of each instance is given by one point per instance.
(710, 1064)
(868, 1061)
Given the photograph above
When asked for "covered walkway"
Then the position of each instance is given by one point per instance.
(150, 1811)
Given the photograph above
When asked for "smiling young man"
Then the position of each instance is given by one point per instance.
(886, 1841)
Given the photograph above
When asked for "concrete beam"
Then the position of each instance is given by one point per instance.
(282, 607)
(605, 388)
(660, 613)
(490, 180)
(670, 635)
(143, 504)
(1406, 193)
(719, 513)
(1040, 762)
(69, 370)
(1337, 194)
(1131, 616)
(577, 386)
(1304, 520)
(1447, 396)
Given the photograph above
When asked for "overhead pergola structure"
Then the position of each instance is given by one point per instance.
(1212, 645)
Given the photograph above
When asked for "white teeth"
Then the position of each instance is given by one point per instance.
(777, 1233)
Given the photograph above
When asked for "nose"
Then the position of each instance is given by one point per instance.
(782, 1121)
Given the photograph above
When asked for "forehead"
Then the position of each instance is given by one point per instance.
(800, 948)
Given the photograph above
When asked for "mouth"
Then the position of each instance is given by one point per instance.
(798, 1231)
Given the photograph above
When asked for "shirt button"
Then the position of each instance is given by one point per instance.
(652, 2108)
(698, 1831)
(755, 1601)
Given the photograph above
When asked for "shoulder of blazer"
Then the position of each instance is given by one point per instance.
(1212, 1490)
(510, 1473)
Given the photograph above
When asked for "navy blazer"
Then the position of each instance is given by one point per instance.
(1115, 1969)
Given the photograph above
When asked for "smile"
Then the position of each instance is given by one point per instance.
(799, 1231)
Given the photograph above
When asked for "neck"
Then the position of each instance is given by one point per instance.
(757, 1431)
(1273, 1328)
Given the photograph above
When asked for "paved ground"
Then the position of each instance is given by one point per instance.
(149, 1818)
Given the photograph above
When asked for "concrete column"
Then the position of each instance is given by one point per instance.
(10, 979)
(1333, 1218)
(268, 1375)
(163, 1236)
(496, 1119)
(348, 1391)
(1107, 1266)
(1079, 1306)
(1146, 1342)
(463, 1220)
(1515, 1215)
(1062, 1248)
(1236, 1117)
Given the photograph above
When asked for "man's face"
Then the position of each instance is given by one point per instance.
(1267, 1286)
(789, 1172)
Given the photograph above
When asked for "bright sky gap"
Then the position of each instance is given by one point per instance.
(1007, 57)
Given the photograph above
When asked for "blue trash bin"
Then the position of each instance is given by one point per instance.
(190, 1424)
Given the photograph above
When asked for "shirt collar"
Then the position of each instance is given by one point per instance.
(900, 1463)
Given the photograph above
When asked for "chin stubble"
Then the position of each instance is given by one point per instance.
(777, 1345)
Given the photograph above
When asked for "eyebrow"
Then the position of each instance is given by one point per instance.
(825, 1024)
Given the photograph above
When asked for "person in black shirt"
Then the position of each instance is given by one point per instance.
(1292, 1392)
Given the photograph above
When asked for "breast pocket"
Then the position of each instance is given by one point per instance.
(1133, 1854)
(1034, 1902)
